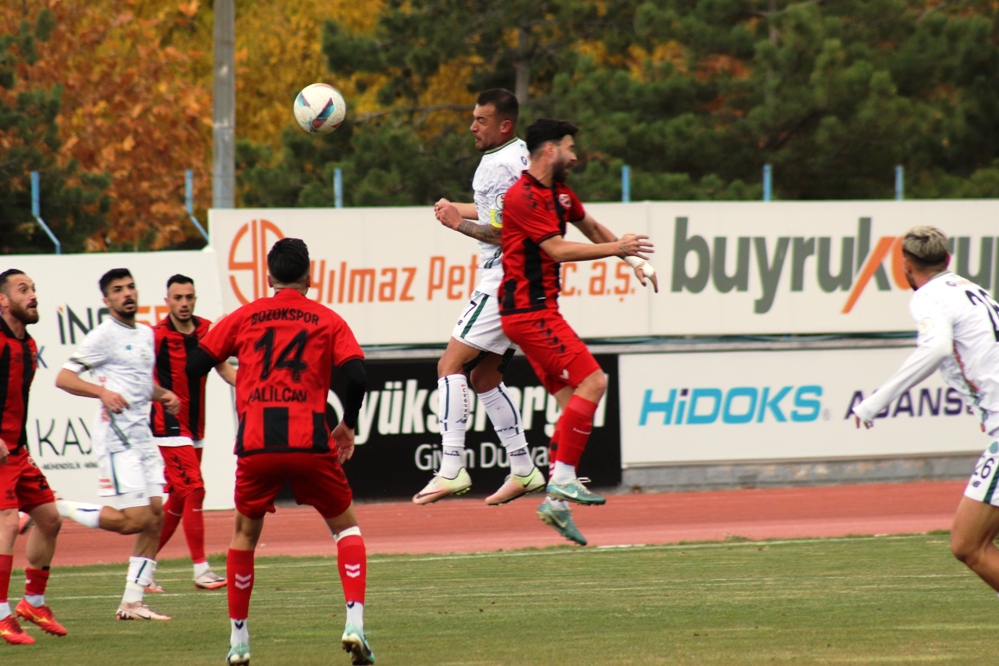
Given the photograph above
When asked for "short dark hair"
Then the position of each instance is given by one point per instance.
(111, 276)
(179, 279)
(544, 130)
(288, 260)
(6, 275)
(505, 102)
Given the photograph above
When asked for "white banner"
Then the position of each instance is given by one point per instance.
(69, 305)
(399, 277)
(781, 405)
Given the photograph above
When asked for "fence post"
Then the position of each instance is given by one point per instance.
(767, 182)
(899, 182)
(338, 187)
(189, 199)
(626, 183)
(36, 212)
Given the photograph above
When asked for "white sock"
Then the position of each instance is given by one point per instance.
(140, 573)
(4, 609)
(88, 515)
(506, 422)
(355, 615)
(452, 412)
(36, 600)
(564, 472)
(201, 568)
(561, 505)
(240, 632)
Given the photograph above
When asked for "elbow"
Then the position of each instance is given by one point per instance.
(61, 380)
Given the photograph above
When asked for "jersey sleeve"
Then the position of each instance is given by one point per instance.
(507, 175)
(92, 353)
(220, 341)
(345, 347)
(934, 343)
(576, 211)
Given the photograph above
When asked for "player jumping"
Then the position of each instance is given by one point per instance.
(119, 355)
(288, 347)
(478, 345)
(538, 206)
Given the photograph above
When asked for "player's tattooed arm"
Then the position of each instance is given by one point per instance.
(458, 217)
(482, 232)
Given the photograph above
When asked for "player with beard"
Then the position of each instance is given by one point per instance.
(538, 206)
(181, 436)
(119, 355)
(22, 484)
(478, 347)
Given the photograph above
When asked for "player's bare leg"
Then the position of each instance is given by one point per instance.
(976, 525)
(10, 629)
(145, 521)
(353, 565)
(575, 426)
(40, 550)
(239, 570)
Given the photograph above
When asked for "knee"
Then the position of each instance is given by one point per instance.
(146, 521)
(595, 385)
(49, 524)
(966, 550)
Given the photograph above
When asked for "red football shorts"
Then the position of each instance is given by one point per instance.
(22, 484)
(557, 355)
(316, 479)
(181, 469)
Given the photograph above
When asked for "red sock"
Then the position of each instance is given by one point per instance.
(172, 511)
(194, 524)
(6, 564)
(239, 571)
(35, 580)
(576, 423)
(353, 564)
(553, 447)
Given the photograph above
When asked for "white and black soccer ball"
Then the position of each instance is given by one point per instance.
(319, 108)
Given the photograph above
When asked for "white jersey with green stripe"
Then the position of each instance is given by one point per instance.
(499, 169)
(120, 358)
(958, 324)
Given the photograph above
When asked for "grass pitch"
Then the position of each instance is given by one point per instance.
(874, 600)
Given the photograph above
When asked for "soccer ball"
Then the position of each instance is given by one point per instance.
(319, 108)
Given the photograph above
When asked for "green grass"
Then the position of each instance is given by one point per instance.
(874, 600)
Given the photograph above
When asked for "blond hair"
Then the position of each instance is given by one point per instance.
(926, 247)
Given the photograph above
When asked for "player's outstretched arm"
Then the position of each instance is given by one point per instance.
(69, 382)
(629, 245)
(598, 233)
(922, 363)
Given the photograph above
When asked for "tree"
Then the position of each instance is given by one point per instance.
(75, 200)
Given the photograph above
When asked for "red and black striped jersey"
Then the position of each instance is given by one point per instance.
(18, 360)
(171, 349)
(287, 346)
(533, 213)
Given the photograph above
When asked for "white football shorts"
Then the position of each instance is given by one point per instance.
(131, 476)
(479, 325)
(982, 486)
